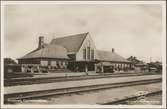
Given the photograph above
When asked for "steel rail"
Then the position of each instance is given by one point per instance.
(28, 81)
(121, 101)
(46, 93)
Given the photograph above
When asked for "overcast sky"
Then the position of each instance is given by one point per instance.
(131, 29)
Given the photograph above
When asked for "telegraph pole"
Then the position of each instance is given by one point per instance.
(53, 35)
(150, 59)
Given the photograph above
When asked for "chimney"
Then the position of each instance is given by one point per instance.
(41, 42)
(112, 50)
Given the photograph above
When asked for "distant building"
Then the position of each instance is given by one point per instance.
(112, 59)
(75, 52)
(138, 65)
(155, 66)
(11, 66)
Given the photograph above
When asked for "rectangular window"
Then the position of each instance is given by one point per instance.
(92, 54)
(58, 64)
(44, 63)
(61, 64)
(84, 53)
(64, 64)
(88, 53)
(53, 63)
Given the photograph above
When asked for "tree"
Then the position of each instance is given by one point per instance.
(157, 65)
(9, 61)
(133, 59)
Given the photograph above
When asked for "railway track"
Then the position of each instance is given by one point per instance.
(132, 98)
(45, 93)
(28, 81)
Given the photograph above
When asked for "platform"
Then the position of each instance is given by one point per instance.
(101, 96)
(78, 83)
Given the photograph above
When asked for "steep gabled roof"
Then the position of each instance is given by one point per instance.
(133, 59)
(110, 56)
(72, 43)
(49, 51)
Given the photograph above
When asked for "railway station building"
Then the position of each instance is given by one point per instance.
(75, 53)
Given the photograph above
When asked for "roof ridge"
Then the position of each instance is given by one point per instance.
(106, 51)
(30, 52)
(43, 52)
(114, 53)
(71, 42)
(66, 36)
(83, 40)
